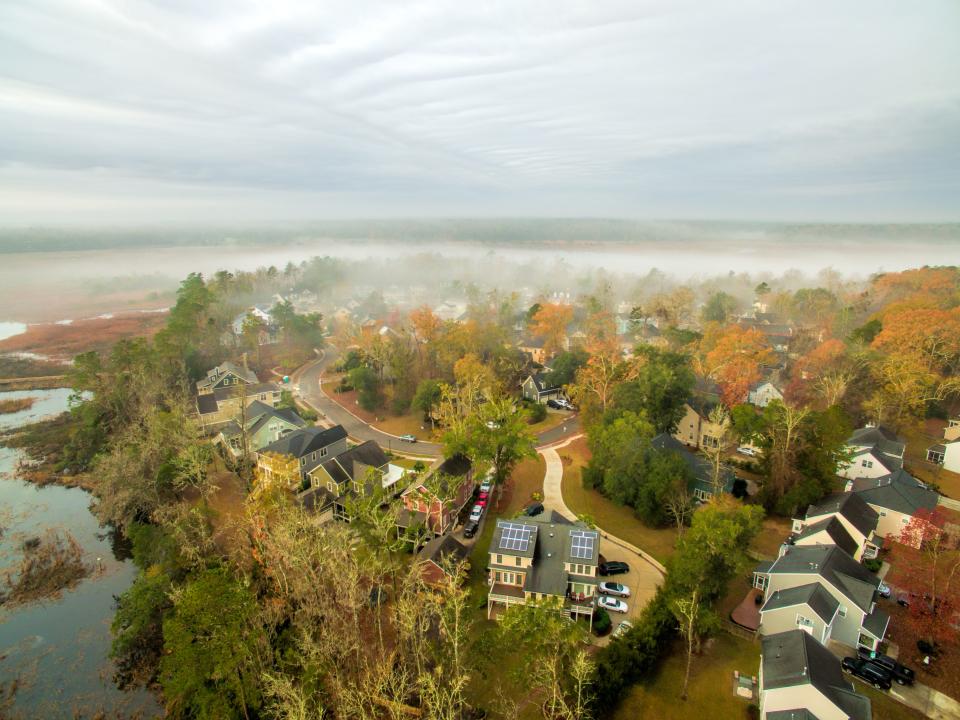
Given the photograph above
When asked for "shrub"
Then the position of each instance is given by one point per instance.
(601, 622)
(873, 565)
(739, 488)
(538, 413)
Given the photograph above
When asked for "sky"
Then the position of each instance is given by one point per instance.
(227, 111)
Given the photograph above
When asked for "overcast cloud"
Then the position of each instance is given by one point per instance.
(229, 110)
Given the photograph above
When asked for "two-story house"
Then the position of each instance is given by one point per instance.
(263, 425)
(544, 559)
(434, 500)
(800, 679)
(842, 518)
(764, 393)
(700, 469)
(947, 453)
(874, 451)
(354, 471)
(538, 388)
(695, 429)
(289, 460)
(857, 622)
(895, 498)
(225, 375)
(230, 403)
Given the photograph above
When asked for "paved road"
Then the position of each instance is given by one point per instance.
(645, 574)
(307, 381)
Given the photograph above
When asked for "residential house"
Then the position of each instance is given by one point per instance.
(545, 558)
(262, 425)
(895, 498)
(701, 470)
(434, 500)
(800, 679)
(225, 375)
(438, 556)
(289, 460)
(534, 348)
(226, 404)
(947, 453)
(858, 621)
(856, 518)
(777, 334)
(807, 607)
(874, 451)
(349, 473)
(538, 388)
(695, 428)
(764, 392)
(268, 333)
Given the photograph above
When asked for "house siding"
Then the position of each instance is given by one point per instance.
(785, 618)
(846, 630)
(800, 696)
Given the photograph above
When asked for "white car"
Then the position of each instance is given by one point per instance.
(565, 404)
(623, 628)
(746, 450)
(611, 604)
(486, 486)
(476, 513)
(612, 588)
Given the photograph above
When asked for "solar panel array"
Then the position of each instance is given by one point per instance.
(515, 537)
(583, 544)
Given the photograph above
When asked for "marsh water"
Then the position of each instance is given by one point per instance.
(57, 651)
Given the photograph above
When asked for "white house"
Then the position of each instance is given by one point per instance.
(763, 393)
(844, 519)
(874, 451)
(801, 680)
(947, 453)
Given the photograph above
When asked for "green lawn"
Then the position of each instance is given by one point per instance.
(550, 421)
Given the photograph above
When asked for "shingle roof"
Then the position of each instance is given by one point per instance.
(795, 658)
(835, 529)
(833, 565)
(315, 498)
(306, 440)
(444, 546)
(812, 594)
(853, 507)
(889, 462)
(876, 623)
(898, 491)
(699, 466)
(797, 714)
(878, 435)
(232, 391)
(540, 382)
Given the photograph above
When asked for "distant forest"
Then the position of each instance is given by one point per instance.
(485, 231)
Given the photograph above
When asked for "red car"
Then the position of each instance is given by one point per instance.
(482, 502)
(482, 496)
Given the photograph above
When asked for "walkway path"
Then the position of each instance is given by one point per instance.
(932, 703)
(645, 574)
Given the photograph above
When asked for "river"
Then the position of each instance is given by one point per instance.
(58, 650)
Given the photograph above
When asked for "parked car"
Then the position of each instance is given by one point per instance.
(613, 568)
(566, 404)
(884, 590)
(900, 673)
(554, 404)
(622, 629)
(746, 450)
(470, 529)
(476, 513)
(482, 496)
(533, 509)
(611, 604)
(612, 588)
(409, 438)
(867, 671)
(481, 502)
(486, 486)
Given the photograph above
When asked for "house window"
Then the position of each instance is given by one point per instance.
(843, 611)
(499, 559)
(519, 561)
(263, 396)
(935, 457)
(804, 621)
(867, 463)
(323, 452)
(314, 456)
(303, 461)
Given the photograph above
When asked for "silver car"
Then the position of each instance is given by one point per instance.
(612, 588)
(611, 604)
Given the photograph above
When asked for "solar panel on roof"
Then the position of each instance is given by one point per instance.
(515, 537)
(583, 542)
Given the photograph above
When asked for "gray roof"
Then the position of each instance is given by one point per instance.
(835, 529)
(207, 404)
(259, 414)
(898, 491)
(796, 714)
(795, 658)
(444, 546)
(888, 461)
(878, 436)
(500, 543)
(351, 464)
(876, 623)
(231, 391)
(699, 466)
(305, 440)
(833, 565)
(315, 499)
(214, 374)
(541, 383)
(853, 507)
(812, 595)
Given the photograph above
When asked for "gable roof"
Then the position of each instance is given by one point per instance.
(540, 382)
(305, 440)
(835, 530)
(699, 466)
(812, 595)
(878, 435)
(889, 462)
(832, 564)
(347, 465)
(441, 547)
(898, 491)
(214, 374)
(232, 391)
(795, 658)
(853, 507)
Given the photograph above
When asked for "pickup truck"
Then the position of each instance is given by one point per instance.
(900, 673)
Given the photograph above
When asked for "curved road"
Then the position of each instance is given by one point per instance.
(309, 389)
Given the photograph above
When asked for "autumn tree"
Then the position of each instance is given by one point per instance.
(550, 325)
(735, 362)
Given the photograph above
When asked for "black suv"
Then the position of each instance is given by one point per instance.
(613, 568)
(470, 529)
(867, 671)
(900, 673)
(533, 509)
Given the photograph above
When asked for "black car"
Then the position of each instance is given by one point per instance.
(533, 509)
(613, 568)
(554, 404)
(470, 529)
(900, 673)
(867, 671)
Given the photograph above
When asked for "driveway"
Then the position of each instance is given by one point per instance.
(645, 574)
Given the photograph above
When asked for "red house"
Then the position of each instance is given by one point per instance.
(435, 500)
